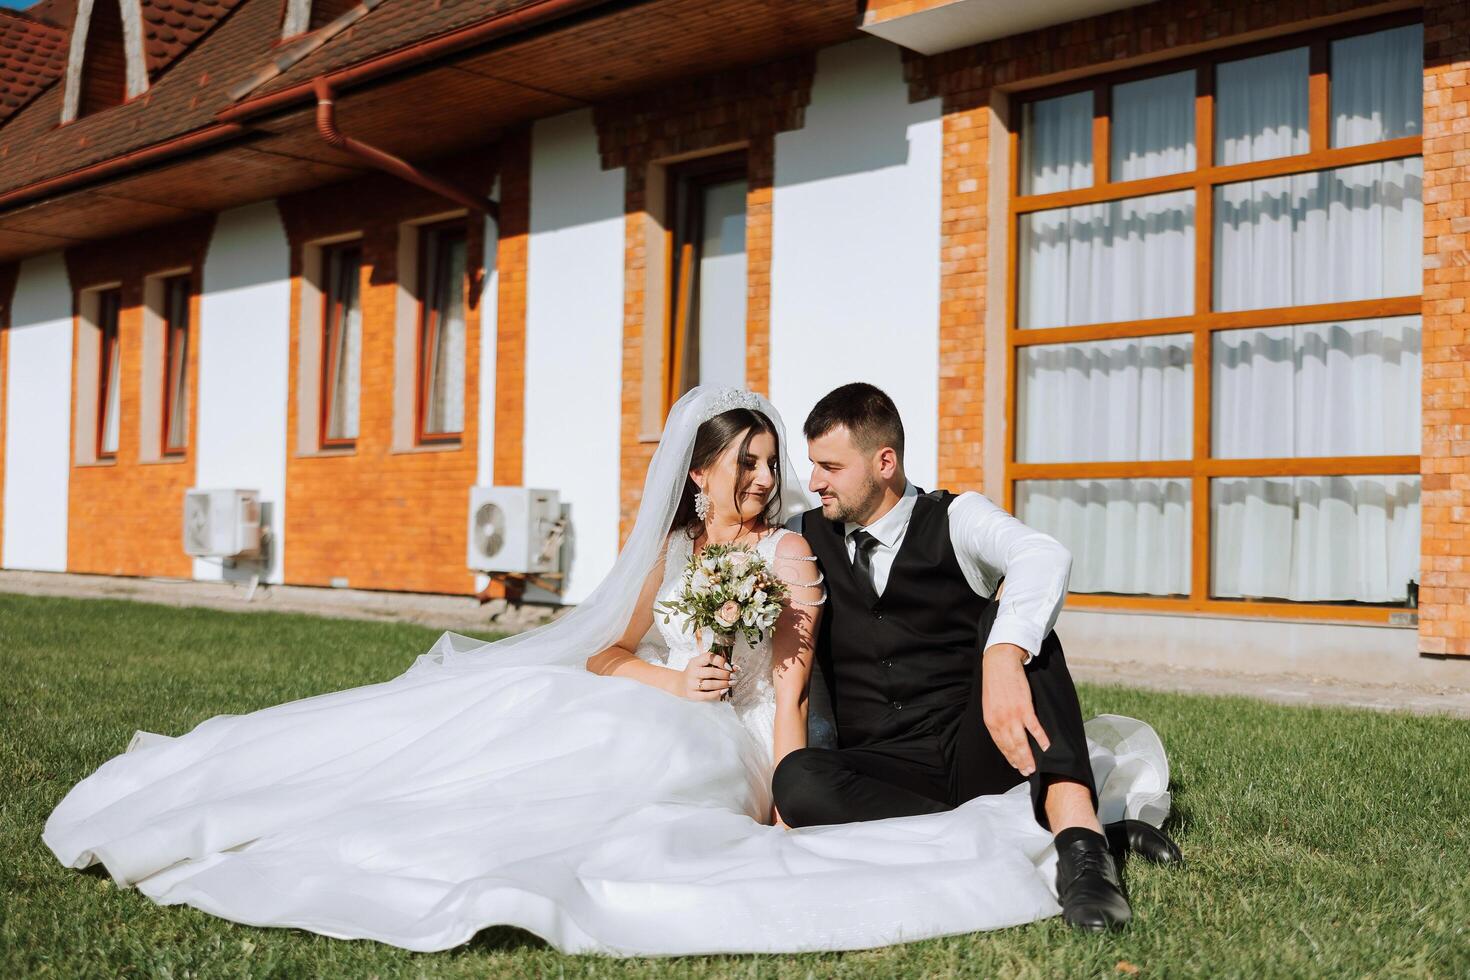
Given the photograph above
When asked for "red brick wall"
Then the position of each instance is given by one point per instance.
(510, 340)
(125, 517)
(378, 518)
(963, 228)
(1444, 624)
(877, 11)
(748, 107)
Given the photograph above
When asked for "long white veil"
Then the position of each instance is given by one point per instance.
(603, 616)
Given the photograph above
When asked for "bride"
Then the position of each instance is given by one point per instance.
(601, 781)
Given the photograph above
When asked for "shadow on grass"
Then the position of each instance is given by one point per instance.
(502, 939)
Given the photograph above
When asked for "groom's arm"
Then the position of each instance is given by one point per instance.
(990, 545)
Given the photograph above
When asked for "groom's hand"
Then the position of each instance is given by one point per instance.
(1005, 701)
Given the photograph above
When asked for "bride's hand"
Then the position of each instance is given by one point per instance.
(705, 678)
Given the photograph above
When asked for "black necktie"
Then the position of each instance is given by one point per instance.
(862, 560)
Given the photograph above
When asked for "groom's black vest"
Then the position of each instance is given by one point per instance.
(901, 667)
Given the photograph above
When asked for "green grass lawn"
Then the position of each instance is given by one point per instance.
(1320, 842)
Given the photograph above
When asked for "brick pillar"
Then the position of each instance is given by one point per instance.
(761, 159)
(1444, 617)
(962, 289)
(510, 338)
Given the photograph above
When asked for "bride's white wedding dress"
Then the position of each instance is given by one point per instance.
(481, 788)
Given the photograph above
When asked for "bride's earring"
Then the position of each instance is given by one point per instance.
(701, 504)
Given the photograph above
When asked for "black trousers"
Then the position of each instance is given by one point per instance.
(938, 767)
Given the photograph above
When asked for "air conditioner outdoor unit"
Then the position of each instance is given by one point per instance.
(221, 523)
(515, 529)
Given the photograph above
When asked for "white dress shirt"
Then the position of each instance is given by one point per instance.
(989, 543)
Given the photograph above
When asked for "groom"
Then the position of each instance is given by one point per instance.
(925, 720)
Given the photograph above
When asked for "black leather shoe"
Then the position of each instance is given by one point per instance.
(1145, 840)
(1089, 888)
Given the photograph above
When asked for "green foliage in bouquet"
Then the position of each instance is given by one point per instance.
(730, 590)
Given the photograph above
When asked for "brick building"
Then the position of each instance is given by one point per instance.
(1180, 283)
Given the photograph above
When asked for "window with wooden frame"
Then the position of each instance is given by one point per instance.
(341, 345)
(706, 274)
(1214, 326)
(109, 373)
(441, 334)
(175, 435)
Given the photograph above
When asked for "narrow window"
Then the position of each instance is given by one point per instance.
(176, 365)
(108, 373)
(441, 360)
(341, 347)
(707, 275)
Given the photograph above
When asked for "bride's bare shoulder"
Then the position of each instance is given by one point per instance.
(791, 546)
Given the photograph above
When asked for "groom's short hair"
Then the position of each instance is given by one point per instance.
(865, 411)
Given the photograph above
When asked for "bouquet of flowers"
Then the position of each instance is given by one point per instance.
(728, 590)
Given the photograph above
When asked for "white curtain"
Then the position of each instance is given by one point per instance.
(1126, 536)
(346, 352)
(1316, 539)
(722, 287)
(1322, 237)
(446, 369)
(1056, 144)
(1097, 263)
(1378, 86)
(1261, 107)
(176, 425)
(1350, 388)
(1152, 127)
(1107, 400)
(113, 408)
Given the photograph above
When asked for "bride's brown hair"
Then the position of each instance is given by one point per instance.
(712, 438)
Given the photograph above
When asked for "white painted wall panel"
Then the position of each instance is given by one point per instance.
(244, 348)
(574, 331)
(855, 248)
(37, 417)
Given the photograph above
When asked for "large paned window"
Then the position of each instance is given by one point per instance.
(707, 275)
(1214, 323)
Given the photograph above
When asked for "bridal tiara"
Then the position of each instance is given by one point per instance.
(727, 399)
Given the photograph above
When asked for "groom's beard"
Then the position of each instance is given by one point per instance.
(854, 511)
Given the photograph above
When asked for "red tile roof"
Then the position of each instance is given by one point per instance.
(170, 27)
(32, 56)
(241, 40)
(392, 25)
(58, 12)
(34, 146)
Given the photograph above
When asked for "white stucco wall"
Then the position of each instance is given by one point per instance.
(244, 345)
(37, 417)
(855, 248)
(574, 331)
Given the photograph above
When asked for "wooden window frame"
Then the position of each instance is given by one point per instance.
(683, 232)
(332, 325)
(428, 319)
(1201, 468)
(109, 315)
(184, 281)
